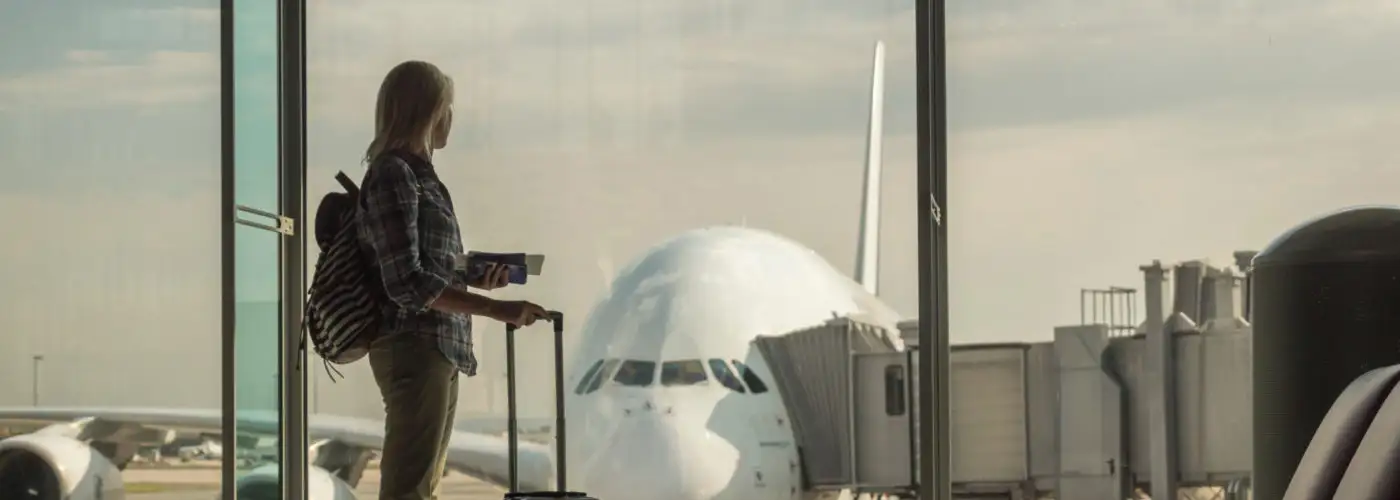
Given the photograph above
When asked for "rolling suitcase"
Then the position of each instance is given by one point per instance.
(513, 424)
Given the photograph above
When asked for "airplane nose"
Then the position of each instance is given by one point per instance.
(655, 456)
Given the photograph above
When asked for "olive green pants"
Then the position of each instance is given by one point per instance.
(419, 387)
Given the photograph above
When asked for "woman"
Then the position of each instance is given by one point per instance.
(409, 229)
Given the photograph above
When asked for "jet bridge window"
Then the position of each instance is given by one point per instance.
(602, 375)
(751, 379)
(726, 376)
(894, 390)
(588, 377)
(636, 373)
(685, 372)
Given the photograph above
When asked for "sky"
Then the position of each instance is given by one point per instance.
(1087, 138)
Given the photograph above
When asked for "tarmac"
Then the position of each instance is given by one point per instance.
(201, 482)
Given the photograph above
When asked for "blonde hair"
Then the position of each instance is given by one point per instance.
(412, 100)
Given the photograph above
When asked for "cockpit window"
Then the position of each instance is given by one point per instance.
(636, 373)
(751, 379)
(607, 369)
(588, 377)
(726, 376)
(684, 372)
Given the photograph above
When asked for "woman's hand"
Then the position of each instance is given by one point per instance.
(496, 276)
(517, 312)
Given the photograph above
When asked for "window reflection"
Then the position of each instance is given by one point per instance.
(725, 375)
(636, 373)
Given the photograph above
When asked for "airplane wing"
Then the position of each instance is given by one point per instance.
(478, 455)
(482, 456)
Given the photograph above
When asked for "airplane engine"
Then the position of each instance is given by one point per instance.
(55, 467)
(262, 484)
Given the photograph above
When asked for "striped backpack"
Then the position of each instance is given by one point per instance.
(342, 306)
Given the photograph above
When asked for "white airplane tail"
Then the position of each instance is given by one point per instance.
(868, 249)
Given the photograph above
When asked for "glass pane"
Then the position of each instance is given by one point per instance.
(634, 373)
(1089, 140)
(608, 135)
(751, 379)
(894, 390)
(110, 284)
(688, 372)
(258, 319)
(258, 322)
(603, 374)
(588, 377)
(725, 375)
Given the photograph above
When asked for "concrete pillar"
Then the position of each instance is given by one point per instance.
(1160, 380)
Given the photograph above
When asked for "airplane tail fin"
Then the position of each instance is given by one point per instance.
(868, 249)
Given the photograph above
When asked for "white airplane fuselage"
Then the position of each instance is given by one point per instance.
(704, 295)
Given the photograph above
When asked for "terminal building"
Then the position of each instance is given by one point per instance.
(1111, 408)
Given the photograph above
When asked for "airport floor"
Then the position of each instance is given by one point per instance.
(202, 483)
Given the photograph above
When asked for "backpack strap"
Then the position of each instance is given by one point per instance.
(348, 184)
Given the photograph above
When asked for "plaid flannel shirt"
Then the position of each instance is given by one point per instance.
(409, 229)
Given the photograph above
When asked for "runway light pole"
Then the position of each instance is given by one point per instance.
(35, 379)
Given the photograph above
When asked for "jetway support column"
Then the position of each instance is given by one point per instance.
(1161, 389)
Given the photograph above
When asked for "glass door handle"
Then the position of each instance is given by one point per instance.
(278, 223)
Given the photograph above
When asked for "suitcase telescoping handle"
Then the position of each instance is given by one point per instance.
(512, 422)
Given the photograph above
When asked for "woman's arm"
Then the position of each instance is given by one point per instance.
(457, 300)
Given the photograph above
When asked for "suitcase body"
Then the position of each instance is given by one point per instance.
(513, 424)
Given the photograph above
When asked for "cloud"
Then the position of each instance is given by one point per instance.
(104, 56)
(634, 69)
(1141, 58)
(1090, 137)
(97, 78)
(1052, 208)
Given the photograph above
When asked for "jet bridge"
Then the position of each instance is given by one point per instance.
(846, 389)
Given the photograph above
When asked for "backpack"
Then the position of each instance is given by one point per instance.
(342, 307)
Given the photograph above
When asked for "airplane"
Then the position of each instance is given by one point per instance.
(669, 397)
(209, 449)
